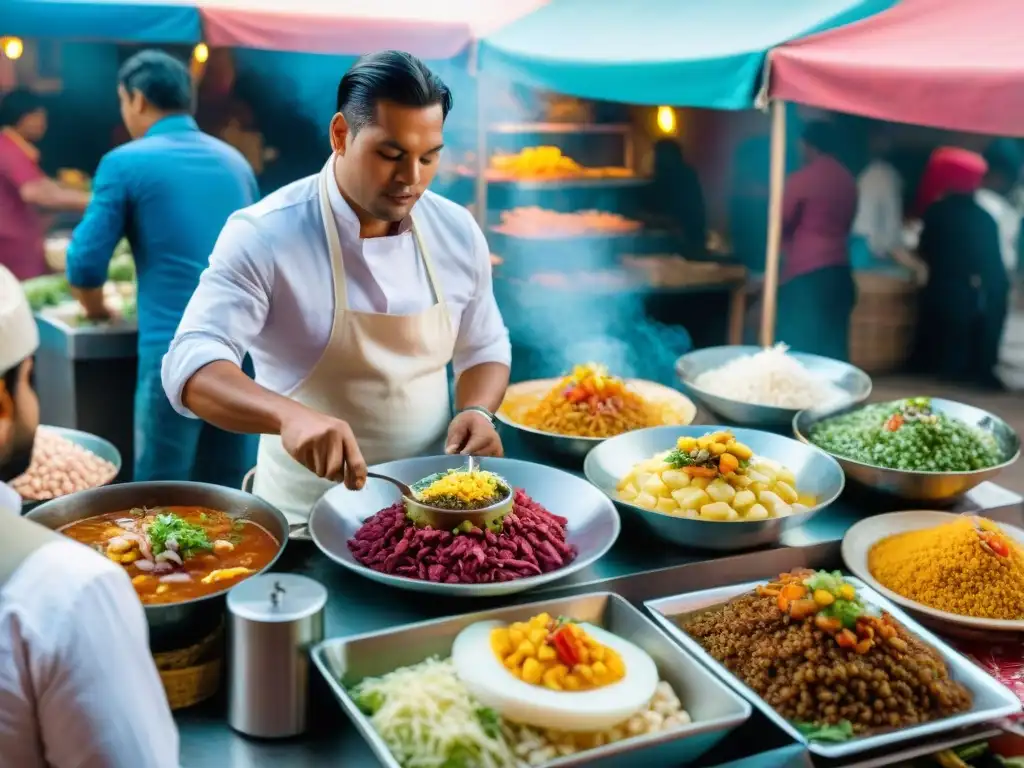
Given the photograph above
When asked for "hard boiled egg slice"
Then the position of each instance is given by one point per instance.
(490, 683)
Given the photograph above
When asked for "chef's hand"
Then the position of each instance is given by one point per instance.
(472, 434)
(325, 446)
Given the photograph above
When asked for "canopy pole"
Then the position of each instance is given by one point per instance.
(771, 262)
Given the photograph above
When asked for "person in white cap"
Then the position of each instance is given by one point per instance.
(78, 686)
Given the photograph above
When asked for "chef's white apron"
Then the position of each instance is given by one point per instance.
(386, 375)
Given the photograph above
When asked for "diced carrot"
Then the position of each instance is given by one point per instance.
(794, 591)
(801, 609)
(846, 639)
(827, 624)
(728, 463)
(700, 471)
(783, 603)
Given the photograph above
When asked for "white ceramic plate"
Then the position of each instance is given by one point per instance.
(862, 536)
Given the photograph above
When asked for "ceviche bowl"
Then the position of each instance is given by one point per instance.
(816, 474)
(570, 525)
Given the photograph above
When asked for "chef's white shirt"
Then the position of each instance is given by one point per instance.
(78, 686)
(268, 290)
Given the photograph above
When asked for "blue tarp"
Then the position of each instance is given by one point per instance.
(101, 20)
(695, 53)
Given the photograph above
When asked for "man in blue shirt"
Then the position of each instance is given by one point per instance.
(170, 191)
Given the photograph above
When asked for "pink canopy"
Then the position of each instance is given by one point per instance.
(943, 63)
(432, 30)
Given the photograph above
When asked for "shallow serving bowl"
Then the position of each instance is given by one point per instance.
(850, 380)
(991, 700)
(593, 522)
(171, 625)
(864, 534)
(816, 473)
(93, 443)
(564, 448)
(714, 708)
(922, 486)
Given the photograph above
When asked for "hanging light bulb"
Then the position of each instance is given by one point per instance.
(13, 47)
(666, 119)
(201, 53)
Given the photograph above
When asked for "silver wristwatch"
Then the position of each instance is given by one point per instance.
(481, 410)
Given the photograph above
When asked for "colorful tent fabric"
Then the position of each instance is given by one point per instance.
(138, 21)
(942, 63)
(701, 53)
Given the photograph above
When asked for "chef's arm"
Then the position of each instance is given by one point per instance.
(95, 238)
(482, 385)
(47, 193)
(223, 395)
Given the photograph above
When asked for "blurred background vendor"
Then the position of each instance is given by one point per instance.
(26, 193)
(816, 291)
(169, 191)
(676, 199)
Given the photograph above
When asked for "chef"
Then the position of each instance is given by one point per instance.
(78, 686)
(352, 290)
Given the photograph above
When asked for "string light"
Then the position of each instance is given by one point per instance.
(13, 47)
(666, 119)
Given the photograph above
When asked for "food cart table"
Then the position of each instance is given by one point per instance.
(638, 568)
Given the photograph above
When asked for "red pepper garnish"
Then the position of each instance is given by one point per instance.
(895, 422)
(576, 395)
(564, 643)
(995, 543)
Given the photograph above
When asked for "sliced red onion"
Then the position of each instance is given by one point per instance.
(145, 565)
(175, 578)
(170, 555)
(162, 567)
(171, 543)
(125, 522)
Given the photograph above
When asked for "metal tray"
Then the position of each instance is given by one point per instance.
(991, 699)
(714, 708)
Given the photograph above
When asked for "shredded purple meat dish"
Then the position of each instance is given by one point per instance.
(532, 541)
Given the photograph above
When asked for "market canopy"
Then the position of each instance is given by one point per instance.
(699, 53)
(941, 63)
(162, 21)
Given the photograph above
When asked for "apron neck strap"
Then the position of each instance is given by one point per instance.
(334, 246)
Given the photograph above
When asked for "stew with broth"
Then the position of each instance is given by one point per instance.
(175, 554)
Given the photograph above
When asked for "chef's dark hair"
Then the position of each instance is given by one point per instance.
(389, 76)
(162, 80)
(16, 105)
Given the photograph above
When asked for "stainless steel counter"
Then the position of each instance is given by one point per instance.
(637, 568)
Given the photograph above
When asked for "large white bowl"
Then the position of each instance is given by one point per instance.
(593, 522)
(863, 535)
(816, 473)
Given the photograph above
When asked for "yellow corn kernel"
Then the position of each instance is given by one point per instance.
(516, 635)
(130, 557)
(526, 650)
(554, 676)
(142, 578)
(513, 660)
(500, 643)
(162, 588)
(546, 653)
(686, 444)
(823, 597)
(537, 637)
(615, 665)
(584, 654)
(716, 449)
(572, 683)
(704, 443)
(597, 653)
(740, 451)
(532, 671)
(584, 671)
(540, 620)
(600, 670)
(847, 592)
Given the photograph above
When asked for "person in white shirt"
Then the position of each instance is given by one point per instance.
(78, 686)
(352, 290)
(878, 226)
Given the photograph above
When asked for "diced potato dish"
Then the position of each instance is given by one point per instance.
(714, 478)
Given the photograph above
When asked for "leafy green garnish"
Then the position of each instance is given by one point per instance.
(490, 721)
(191, 538)
(829, 581)
(369, 702)
(843, 731)
(679, 459)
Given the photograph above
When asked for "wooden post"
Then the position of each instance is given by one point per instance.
(769, 296)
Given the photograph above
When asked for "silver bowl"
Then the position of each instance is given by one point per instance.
(816, 473)
(171, 625)
(93, 443)
(568, 450)
(847, 378)
(922, 486)
(593, 522)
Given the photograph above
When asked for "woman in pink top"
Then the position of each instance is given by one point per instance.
(817, 292)
(24, 189)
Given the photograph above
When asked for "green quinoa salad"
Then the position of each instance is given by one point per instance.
(907, 435)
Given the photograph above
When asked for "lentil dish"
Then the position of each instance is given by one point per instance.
(810, 648)
(590, 402)
(175, 554)
(968, 567)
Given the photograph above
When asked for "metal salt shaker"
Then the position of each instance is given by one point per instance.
(274, 620)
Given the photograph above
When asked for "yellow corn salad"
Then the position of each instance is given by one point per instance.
(459, 489)
(556, 654)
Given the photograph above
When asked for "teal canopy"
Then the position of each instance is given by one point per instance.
(140, 21)
(695, 53)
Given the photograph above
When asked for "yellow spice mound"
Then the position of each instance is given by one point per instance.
(967, 567)
(460, 489)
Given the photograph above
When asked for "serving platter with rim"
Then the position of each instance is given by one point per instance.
(863, 535)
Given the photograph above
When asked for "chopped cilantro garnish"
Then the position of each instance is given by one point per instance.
(489, 721)
(191, 538)
(679, 459)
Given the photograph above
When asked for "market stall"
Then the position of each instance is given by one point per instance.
(930, 63)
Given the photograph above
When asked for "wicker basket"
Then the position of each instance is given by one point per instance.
(192, 675)
(883, 323)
